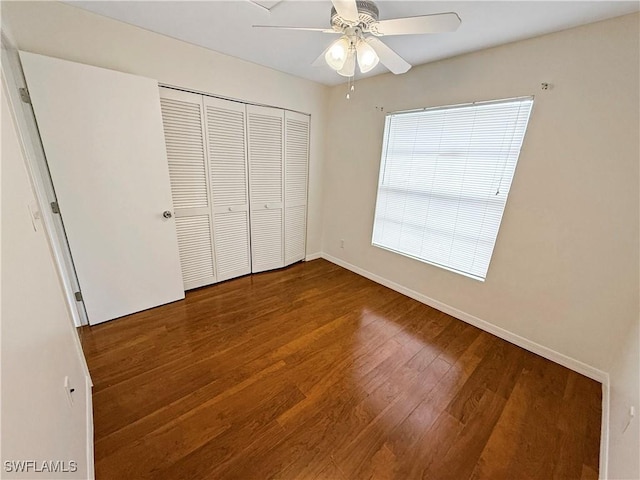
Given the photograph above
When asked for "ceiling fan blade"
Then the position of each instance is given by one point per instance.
(266, 4)
(438, 23)
(347, 9)
(308, 29)
(388, 57)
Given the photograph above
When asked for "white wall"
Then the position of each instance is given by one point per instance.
(39, 345)
(63, 31)
(564, 272)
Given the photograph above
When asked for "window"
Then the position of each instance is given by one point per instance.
(445, 175)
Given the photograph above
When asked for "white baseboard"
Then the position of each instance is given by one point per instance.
(313, 256)
(548, 353)
(91, 475)
(604, 429)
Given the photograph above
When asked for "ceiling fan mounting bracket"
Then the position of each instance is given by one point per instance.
(353, 34)
(367, 13)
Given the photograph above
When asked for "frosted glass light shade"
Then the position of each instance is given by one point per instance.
(349, 67)
(367, 57)
(337, 53)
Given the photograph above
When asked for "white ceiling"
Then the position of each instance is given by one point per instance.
(226, 26)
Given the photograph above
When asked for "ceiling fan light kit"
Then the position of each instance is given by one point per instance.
(341, 56)
(357, 23)
(337, 53)
(367, 57)
(349, 67)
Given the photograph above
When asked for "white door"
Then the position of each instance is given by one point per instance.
(227, 153)
(266, 186)
(296, 139)
(183, 119)
(102, 135)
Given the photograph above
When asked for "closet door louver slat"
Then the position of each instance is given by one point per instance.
(266, 179)
(226, 141)
(182, 116)
(296, 171)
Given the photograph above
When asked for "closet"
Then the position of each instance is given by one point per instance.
(239, 183)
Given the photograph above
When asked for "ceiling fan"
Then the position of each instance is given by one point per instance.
(356, 21)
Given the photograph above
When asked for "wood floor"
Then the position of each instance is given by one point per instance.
(313, 372)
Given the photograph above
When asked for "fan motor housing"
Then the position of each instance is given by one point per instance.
(367, 13)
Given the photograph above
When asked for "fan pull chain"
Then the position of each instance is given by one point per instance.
(351, 87)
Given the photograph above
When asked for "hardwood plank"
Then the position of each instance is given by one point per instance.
(470, 442)
(432, 446)
(322, 435)
(328, 472)
(570, 457)
(588, 473)
(498, 371)
(539, 438)
(417, 440)
(495, 461)
(315, 372)
(355, 458)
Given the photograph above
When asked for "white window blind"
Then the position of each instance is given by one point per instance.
(445, 175)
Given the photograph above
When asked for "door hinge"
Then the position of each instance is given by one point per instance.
(78, 296)
(24, 95)
(54, 207)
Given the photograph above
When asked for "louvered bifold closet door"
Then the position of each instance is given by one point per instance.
(182, 116)
(226, 143)
(296, 139)
(266, 186)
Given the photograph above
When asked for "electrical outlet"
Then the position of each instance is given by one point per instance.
(342, 243)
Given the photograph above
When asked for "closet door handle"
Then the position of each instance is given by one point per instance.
(231, 209)
(167, 214)
(266, 205)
